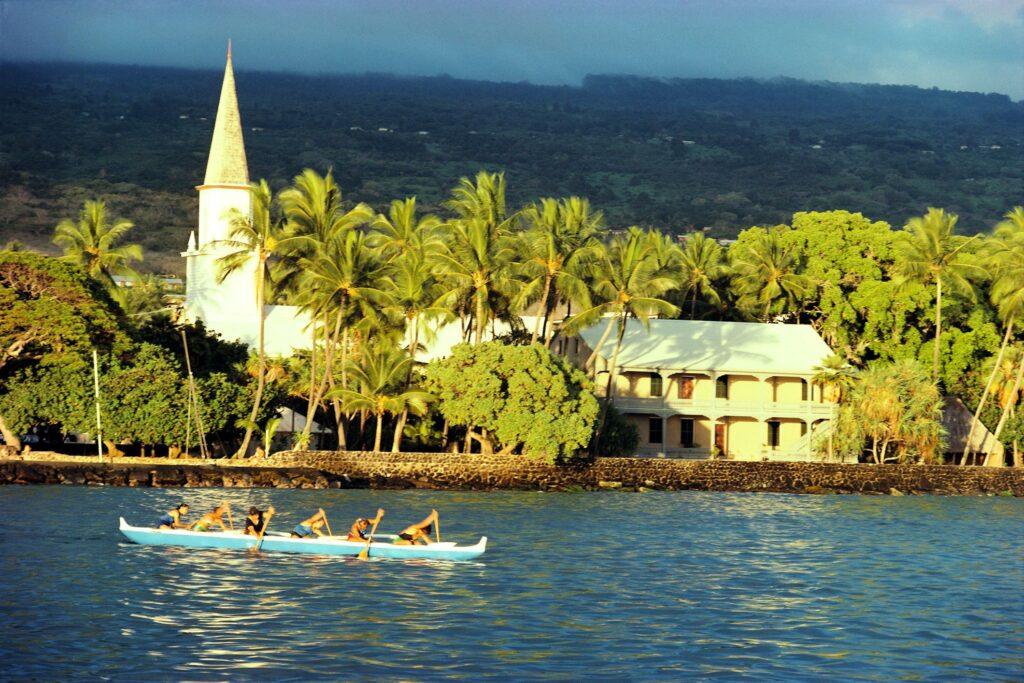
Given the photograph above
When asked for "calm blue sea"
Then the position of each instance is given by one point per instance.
(613, 585)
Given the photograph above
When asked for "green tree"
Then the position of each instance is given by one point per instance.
(836, 378)
(50, 310)
(929, 253)
(380, 377)
(255, 240)
(894, 411)
(766, 274)
(1004, 254)
(559, 243)
(92, 243)
(702, 266)
(401, 231)
(515, 397)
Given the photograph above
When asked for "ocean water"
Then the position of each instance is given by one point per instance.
(611, 585)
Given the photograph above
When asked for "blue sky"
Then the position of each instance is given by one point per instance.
(955, 44)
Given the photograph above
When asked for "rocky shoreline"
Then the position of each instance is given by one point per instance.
(329, 469)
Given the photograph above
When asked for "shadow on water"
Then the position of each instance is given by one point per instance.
(614, 585)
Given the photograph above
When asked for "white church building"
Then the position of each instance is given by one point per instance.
(229, 307)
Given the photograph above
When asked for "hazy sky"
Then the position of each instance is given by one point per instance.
(955, 44)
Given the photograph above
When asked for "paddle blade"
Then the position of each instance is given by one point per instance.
(364, 554)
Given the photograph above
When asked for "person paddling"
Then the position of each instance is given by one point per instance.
(311, 526)
(206, 522)
(256, 520)
(418, 533)
(359, 528)
(172, 518)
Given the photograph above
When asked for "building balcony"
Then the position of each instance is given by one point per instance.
(720, 407)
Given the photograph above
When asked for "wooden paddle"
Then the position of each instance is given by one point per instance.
(231, 522)
(437, 527)
(328, 525)
(259, 541)
(364, 554)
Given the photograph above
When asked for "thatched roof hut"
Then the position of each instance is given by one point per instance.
(956, 419)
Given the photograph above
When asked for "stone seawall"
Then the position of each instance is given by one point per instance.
(329, 469)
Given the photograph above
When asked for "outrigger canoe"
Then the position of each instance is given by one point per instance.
(284, 543)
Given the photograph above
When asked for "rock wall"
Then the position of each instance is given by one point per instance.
(329, 469)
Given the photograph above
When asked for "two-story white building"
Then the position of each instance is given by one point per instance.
(697, 388)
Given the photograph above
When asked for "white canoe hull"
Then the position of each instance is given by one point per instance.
(236, 540)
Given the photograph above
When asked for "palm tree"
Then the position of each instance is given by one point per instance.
(1004, 253)
(627, 284)
(766, 275)
(1007, 387)
(836, 377)
(559, 242)
(483, 200)
(260, 237)
(411, 294)
(476, 267)
(93, 244)
(701, 266)
(314, 207)
(929, 253)
(401, 231)
(379, 377)
(346, 275)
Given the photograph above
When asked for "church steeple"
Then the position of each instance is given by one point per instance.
(227, 164)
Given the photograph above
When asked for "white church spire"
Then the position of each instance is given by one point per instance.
(227, 164)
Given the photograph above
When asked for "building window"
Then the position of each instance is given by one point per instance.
(722, 387)
(656, 388)
(686, 387)
(803, 390)
(803, 428)
(654, 430)
(686, 433)
(773, 434)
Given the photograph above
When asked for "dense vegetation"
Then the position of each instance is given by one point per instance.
(912, 313)
(675, 154)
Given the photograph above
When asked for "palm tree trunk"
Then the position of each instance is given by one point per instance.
(10, 438)
(609, 391)
(1018, 455)
(479, 318)
(312, 385)
(938, 330)
(990, 459)
(329, 341)
(589, 365)
(988, 389)
(261, 365)
(544, 300)
(376, 437)
(396, 443)
(693, 305)
(831, 430)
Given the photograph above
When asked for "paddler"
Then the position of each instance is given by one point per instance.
(256, 520)
(311, 526)
(418, 533)
(172, 518)
(359, 528)
(206, 522)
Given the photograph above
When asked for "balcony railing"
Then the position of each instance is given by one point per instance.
(723, 407)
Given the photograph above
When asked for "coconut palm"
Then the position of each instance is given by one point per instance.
(314, 207)
(402, 231)
(1007, 386)
(928, 253)
(379, 378)
(666, 253)
(259, 237)
(701, 266)
(560, 240)
(345, 274)
(92, 243)
(836, 378)
(483, 200)
(475, 266)
(766, 275)
(1004, 254)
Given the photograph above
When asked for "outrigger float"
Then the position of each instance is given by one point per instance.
(284, 543)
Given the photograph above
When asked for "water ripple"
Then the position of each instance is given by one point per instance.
(605, 586)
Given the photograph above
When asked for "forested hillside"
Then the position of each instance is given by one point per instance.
(675, 154)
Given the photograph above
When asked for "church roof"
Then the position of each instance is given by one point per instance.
(705, 345)
(227, 165)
